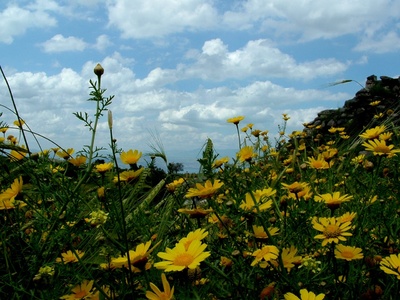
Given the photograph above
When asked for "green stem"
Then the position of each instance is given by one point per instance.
(16, 111)
(237, 129)
(96, 120)
(123, 221)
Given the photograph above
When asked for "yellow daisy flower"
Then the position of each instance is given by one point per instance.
(16, 155)
(81, 291)
(318, 163)
(260, 233)
(304, 295)
(358, 159)
(13, 191)
(138, 259)
(347, 217)
(19, 123)
(373, 133)
(348, 252)
(130, 157)
(78, 161)
(175, 184)
(204, 191)
(266, 253)
(258, 198)
(375, 103)
(379, 116)
(180, 258)
(102, 168)
(235, 120)
(198, 234)
(70, 257)
(139, 256)
(167, 294)
(246, 153)
(289, 257)
(128, 175)
(333, 200)
(379, 147)
(65, 154)
(332, 230)
(385, 136)
(295, 187)
(391, 265)
(329, 154)
(219, 162)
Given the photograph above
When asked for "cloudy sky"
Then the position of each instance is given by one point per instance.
(180, 68)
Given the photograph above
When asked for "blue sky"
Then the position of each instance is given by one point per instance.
(181, 68)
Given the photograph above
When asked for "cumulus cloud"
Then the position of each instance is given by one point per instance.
(15, 21)
(257, 59)
(312, 19)
(102, 42)
(156, 18)
(302, 20)
(59, 43)
(385, 43)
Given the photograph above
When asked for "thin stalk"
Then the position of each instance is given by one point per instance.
(96, 120)
(238, 133)
(16, 110)
(123, 221)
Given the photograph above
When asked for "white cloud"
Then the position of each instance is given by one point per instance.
(157, 18)
(258, 58)
(385, 43)
(16, 21)
(290, 20)
(312, 19)
(59, 43)
(102, 42)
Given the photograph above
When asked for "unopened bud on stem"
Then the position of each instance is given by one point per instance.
(98, 70)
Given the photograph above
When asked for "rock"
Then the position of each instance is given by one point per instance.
(357, 112)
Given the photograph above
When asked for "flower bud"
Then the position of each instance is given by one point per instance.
(98, 70)
(110, 119)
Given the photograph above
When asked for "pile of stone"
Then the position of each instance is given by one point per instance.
(362, 111)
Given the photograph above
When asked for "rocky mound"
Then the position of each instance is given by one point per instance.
(378, 101)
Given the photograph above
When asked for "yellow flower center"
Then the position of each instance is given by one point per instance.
(347, 254)
(80, 294)
(317, 164)
(183, 259)
(382, 148)
(163, 296)
(332, 231)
